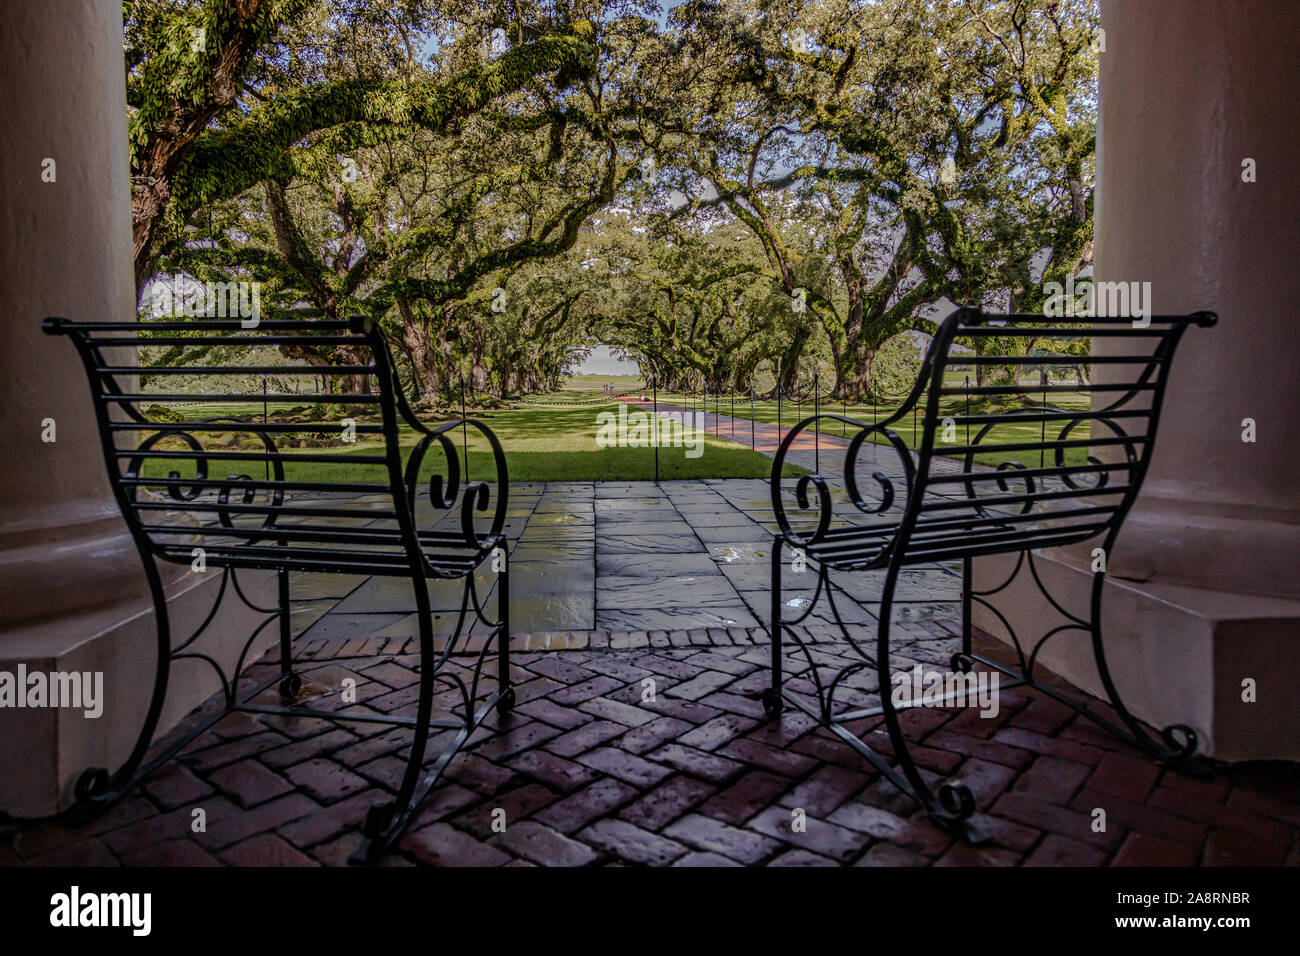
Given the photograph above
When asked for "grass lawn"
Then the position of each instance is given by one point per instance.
(909, 427)
(553, 438)
(597, 382)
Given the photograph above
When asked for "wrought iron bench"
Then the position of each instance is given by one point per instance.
(269, 514)
(950, 511)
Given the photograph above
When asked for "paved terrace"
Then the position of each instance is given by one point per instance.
(608, 556)
(622, 584)
(590, 773)
(629, 556)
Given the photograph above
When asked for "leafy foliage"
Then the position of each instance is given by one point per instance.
(724, 192)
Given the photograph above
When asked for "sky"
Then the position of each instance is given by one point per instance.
(601, 361)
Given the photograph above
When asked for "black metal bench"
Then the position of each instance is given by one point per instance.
(956, 511)
(246, 509)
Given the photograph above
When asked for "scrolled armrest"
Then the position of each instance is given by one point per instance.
(443, 492)
(244, 487)
(887, 493)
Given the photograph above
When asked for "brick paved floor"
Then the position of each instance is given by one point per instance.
(590, 770)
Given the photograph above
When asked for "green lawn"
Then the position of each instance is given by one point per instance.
(552, 438)
(598, 382)
(909, 427)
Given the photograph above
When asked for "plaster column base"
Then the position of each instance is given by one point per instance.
(44, 750)
(1177, 654)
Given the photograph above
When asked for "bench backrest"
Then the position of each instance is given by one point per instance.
(1040, 462)
(313, 479)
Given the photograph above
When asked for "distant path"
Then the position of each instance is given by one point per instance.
(809, 450)
(806, 450)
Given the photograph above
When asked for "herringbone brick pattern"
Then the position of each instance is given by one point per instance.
(651, 749)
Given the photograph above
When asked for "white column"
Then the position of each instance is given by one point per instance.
(1204, 582)
(66, 249)
(72, 592)
(1190, 93)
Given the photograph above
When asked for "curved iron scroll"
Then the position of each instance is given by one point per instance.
(888, 493)
(443, 492)
(1034, 492)
(182, 489)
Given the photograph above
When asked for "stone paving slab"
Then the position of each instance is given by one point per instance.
(614, 556)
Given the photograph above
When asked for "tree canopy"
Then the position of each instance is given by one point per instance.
(715, 189)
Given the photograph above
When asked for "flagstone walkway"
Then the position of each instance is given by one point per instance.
(623, 556)
(620, 556)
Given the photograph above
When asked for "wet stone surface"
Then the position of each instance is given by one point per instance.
(621, 556)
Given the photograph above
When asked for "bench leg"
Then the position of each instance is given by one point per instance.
(506, 702)
(290, 683)
(1177, 743)
(952, 807)
(951, 804)
(772, 702)
(965, 607)
(385, 822)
